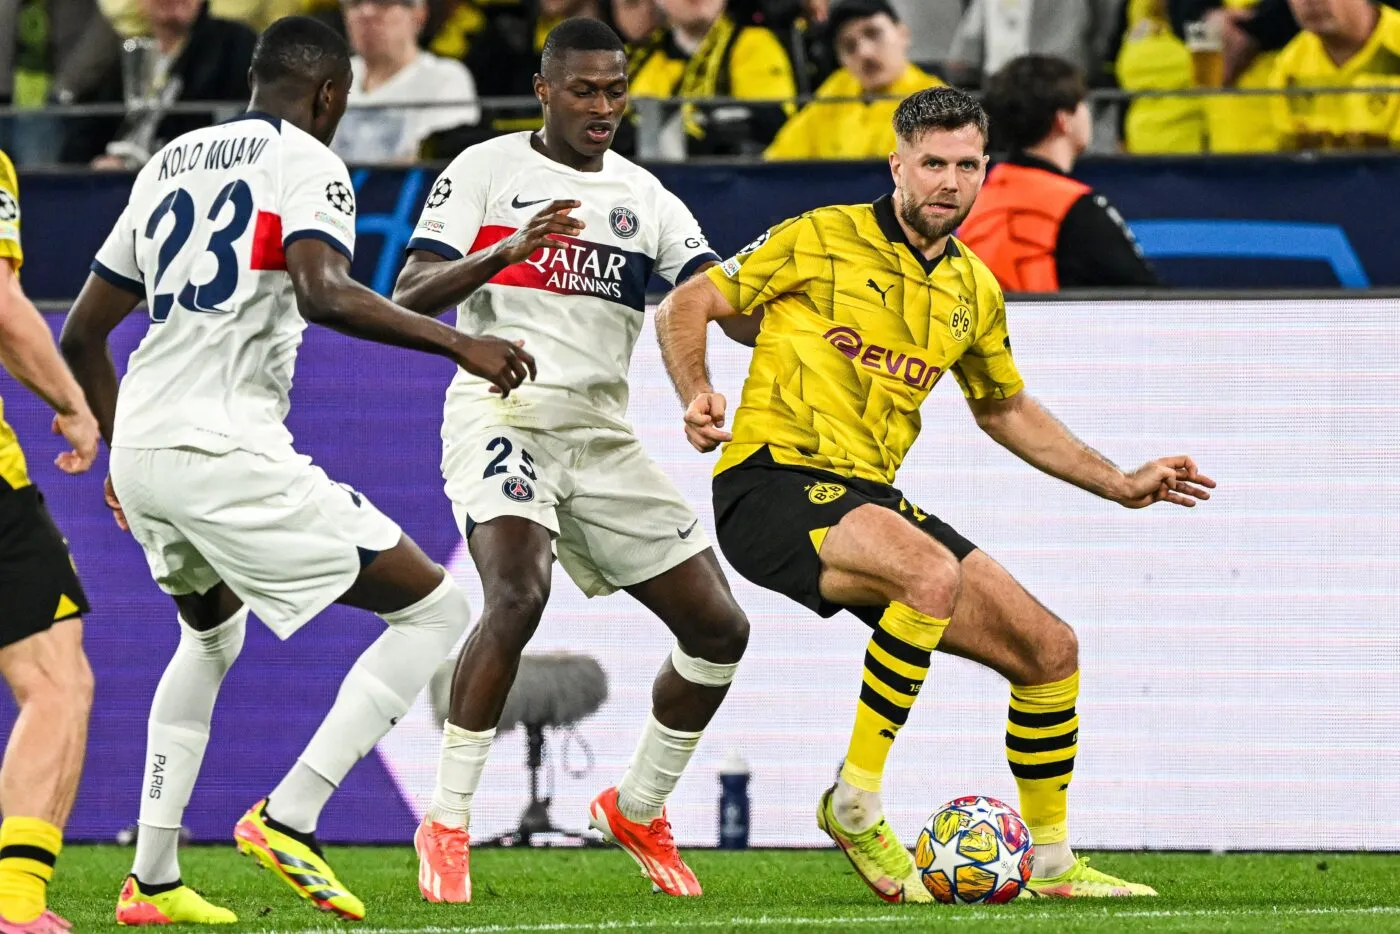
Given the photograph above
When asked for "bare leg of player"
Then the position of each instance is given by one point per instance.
(694, 601)
(998, 624)
(52, 684)
(513, 557)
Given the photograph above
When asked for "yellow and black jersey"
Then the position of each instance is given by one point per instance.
(858, 327)
(13, 473)
(1334, 118)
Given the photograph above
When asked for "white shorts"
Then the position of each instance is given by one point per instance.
(617, 519)
(285, 538)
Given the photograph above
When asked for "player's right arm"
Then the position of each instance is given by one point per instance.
(317, 208)
(772, 265)
(328, 296)
(431, 281)
(445, 264)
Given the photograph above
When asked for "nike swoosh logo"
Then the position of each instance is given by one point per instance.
(686, 533)
(517, 203)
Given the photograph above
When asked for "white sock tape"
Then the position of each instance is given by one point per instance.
(698, 671)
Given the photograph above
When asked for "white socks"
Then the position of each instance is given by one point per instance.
(376, 692)
(856, 810)
(661, 757)
(177, 733)
(1051, 859)
(459, 772)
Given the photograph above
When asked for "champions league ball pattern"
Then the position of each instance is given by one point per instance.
(974, 850)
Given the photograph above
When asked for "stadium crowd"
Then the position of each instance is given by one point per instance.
(713, 77)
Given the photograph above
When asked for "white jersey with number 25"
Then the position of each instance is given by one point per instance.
(202, 239)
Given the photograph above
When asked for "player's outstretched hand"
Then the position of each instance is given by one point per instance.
(1167, 480)
(704, 422)
(109, 494)
(505, 363)
(553, 221)
(80, 430)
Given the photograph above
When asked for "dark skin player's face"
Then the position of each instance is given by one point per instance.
(584, 97)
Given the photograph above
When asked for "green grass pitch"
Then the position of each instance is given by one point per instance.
(563, 890)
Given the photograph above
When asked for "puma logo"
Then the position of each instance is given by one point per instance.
(883, 292)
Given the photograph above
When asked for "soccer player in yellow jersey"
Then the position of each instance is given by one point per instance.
(863, 309)
(41, 607)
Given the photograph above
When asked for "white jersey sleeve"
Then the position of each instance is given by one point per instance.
(682, 248)
(116, 261)
(317, 199)
(456, 206)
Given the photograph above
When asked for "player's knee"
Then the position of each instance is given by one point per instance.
(721, 635)
(56, 692)
(514, 607)
(84, 685)
(1056, 657)
(931, 585)
(220, 643)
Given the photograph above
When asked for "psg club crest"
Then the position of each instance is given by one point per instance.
(624, 223)
(518, 489)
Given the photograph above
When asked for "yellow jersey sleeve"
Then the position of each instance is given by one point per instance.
(986, 369)
(798, 137)
(9, 213)
(760, 68)
(783, 260)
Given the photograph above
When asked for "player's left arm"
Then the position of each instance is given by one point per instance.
(1010, 416)
(1025, 428)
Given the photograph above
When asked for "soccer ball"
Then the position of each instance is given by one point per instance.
(974, 850)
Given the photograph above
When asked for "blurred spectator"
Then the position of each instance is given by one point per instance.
(636, 20)
(1152, 58)
(389, 69)
(504, 55)
(128, 17)
(992, 32)
(199, 58)
(932, 25)
(1344, 43)
(1036, 228)
(57, 51)
(704, 55)
(255, 14)
(875, 75)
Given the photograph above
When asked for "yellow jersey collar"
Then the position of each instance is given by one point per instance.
(889, 226)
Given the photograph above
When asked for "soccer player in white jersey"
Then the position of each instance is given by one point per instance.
(557, 462)
(235, 236)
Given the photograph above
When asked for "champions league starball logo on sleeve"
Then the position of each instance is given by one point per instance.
(440, 193)
(340, 197)
(9, 208)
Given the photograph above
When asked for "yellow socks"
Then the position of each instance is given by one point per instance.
(28, 849)
(896, 663)
(1042, 735)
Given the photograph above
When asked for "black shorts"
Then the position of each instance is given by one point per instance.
(765, 514)
(38, 586)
